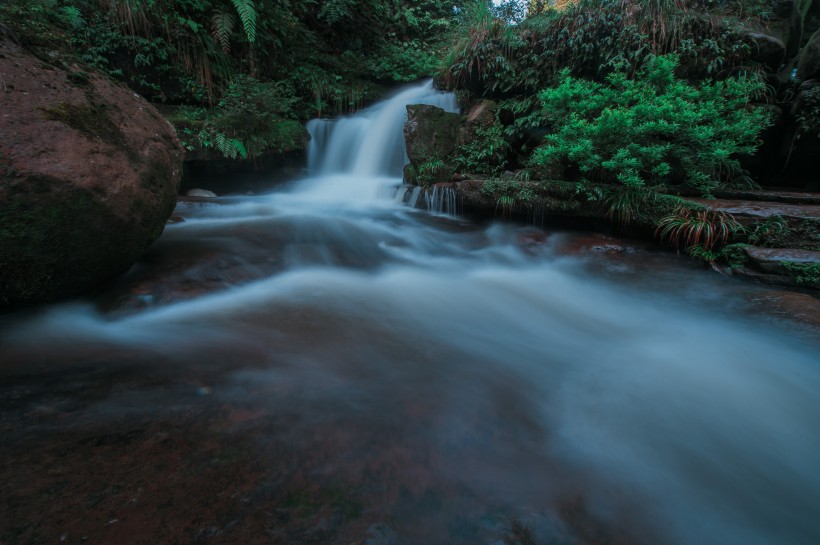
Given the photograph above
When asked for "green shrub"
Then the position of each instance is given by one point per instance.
(253, 117)
(485, 153)
(651, 130)
(805, 274)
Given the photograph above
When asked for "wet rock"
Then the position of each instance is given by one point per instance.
(798, 307)
(482, 114)
(761, 209)
(808, 67)
(586, 243)
(786, 23)
(431, 137)
(774, 196)
(784, 266)
(89, 173)
(197, 192)
(768, 50)
(768, 258)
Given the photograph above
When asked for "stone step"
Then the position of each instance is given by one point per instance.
(768, 258)
(773, 266)
(761, 209)
(769, 195)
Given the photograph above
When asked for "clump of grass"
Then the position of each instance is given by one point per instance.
(686, 227)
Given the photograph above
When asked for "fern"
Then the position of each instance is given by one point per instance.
(230, 147)
(247, 14)
(334, 11)
(71, 16)
(222, 25)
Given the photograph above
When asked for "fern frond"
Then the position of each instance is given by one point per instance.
(239, 147)
(72, 16)
(247, 14)
(230, 147)
(223, 146)
(221, 28)
(334, 11)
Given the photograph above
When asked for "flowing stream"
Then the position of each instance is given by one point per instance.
(323, 364)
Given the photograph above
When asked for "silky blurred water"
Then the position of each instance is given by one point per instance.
(519, 377)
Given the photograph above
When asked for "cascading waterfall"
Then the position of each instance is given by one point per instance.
(361, 157)
(370, 143)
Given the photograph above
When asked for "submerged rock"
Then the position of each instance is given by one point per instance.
(88, 176)
(196, 192)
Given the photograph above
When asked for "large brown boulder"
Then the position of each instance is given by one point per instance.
(88, 177)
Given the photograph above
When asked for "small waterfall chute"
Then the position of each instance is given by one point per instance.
(365, 149)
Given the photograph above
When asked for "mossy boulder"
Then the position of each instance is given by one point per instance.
(89, 173)
(431, 136)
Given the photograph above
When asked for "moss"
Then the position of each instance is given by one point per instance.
(805, 274)
(59, 242)
(89, 119)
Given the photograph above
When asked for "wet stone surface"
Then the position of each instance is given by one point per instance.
(275, 381)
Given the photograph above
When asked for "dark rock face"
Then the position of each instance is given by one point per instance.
(89, 173)
(808, 67)
(769, 51)
(431, 135)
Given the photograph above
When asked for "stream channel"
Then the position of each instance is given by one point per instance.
(325, 364)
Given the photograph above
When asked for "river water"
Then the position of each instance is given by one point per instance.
(324, 364)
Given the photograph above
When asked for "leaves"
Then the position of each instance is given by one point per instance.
(230, 147)
(247, 14)
(651, 129)
(686, 227)
(222, 25)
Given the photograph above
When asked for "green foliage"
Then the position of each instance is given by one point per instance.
(252, 118)
(591, 38)
(808, 115)
(334, 55)
(485, 153)
(507, 192)
(772, 228)
(336, 11)
(686, 227)
(732, 254)
(807, 274)
(426, 173)
(623, 203)
(403, 61)
(222, 25)
(651, 130)
(247, 14)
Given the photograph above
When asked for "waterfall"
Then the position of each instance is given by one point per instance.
(359, 159)
(371, 142)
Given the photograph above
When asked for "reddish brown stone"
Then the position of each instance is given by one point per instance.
(88, 176)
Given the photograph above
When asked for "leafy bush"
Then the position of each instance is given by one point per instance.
(485, 153)
(589, 37)
(403, 61)
(252, 118)
(651, 130)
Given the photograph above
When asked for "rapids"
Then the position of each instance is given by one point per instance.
(323, 364)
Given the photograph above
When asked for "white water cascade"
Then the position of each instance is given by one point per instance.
(361, 156)
(322, 364)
